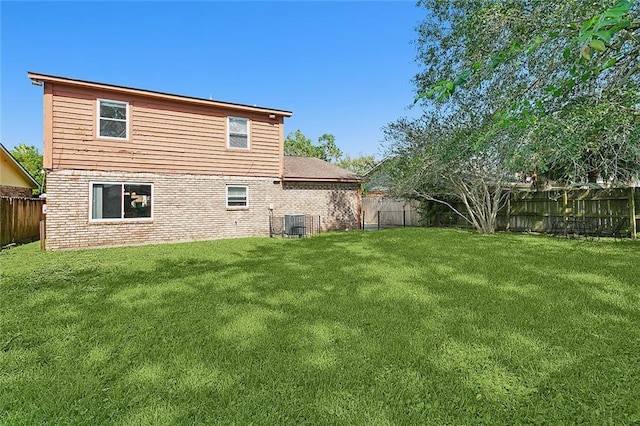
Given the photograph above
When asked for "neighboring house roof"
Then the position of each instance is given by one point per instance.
(379, 181)
(12, 173)
(311, 169)
(378, 178)
(38, 79)
(377, 166)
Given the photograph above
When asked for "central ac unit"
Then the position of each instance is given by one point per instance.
(295, 224)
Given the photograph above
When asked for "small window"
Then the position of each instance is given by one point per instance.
(112, 119)
(238, 137)
(237, 196)
(120, 201)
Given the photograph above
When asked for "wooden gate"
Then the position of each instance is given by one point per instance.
(387, 212)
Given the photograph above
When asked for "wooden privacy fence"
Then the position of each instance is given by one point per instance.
(601, 208)
(19, 219)
(540, 211)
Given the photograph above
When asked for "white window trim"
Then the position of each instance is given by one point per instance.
(246, 206)
(248, 134)
(121, 218)
(98, 118)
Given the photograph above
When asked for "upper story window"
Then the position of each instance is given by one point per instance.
(120, 201)
(238, 136)
(112, 119)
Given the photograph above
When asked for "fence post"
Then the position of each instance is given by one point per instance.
(43, 235)
(632, 212)
(565, 203)
(404, 218)
(508, 225)
(378, 220)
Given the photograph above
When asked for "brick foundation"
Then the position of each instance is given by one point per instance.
(188, 208)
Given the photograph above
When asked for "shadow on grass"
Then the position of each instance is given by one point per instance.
(401, 326)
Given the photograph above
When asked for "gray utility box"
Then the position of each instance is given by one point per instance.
(295, 225)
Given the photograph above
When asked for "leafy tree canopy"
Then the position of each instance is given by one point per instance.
(545, 88)
(359, 165)
(30, 158)
(298, 144)
(562, 76)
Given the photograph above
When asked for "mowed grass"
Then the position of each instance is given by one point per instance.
(410, 326)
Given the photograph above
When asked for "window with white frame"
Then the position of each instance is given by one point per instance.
(120, 201)
(112, 119)
(238, 133)
(237, 196)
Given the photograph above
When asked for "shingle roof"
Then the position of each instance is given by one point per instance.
(316, 170)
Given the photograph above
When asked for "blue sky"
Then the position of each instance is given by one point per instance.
(342, 67)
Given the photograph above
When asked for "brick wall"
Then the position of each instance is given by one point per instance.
(337, 204)
(187, 208)
(15, 191)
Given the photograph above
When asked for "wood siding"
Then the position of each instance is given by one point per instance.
(164, 137)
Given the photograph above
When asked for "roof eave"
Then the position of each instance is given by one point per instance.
(37, 79)
(308, 179)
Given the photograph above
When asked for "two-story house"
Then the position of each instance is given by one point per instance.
(127, 166)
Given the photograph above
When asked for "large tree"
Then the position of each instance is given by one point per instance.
(563, 76)
(451, 163)
(544, 87)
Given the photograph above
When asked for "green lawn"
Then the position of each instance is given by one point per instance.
(410, 326)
